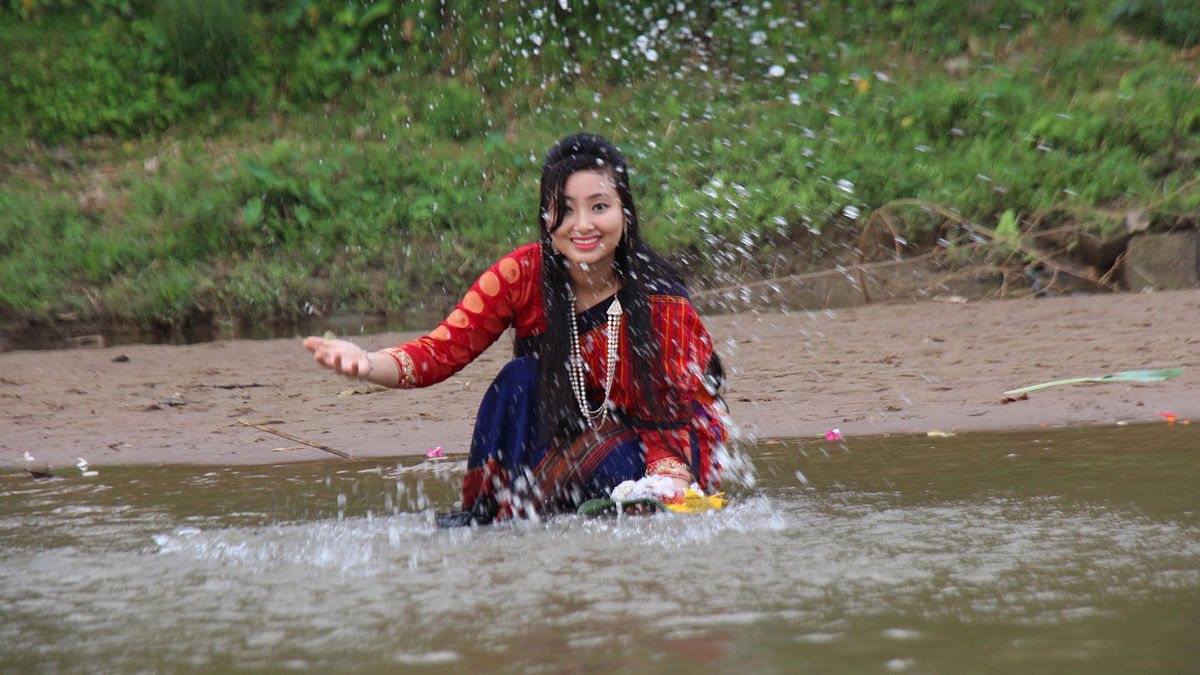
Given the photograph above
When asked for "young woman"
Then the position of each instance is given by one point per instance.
(614, 376)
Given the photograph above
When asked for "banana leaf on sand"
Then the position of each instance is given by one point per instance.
(1124, 376)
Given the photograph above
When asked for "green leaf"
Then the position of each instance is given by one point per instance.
(1124, 376)
(378, 11)
(260, 173)
(303, 215)
(252, 210)
(1007, 227)
(607, 507)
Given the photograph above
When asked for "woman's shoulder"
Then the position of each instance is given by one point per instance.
(531, 250)
(524, 262)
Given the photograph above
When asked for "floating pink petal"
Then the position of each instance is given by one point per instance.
(435, 452)
(833, 435)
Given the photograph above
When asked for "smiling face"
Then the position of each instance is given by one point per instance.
(592, 223)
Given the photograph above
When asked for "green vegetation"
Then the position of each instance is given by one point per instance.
(185, 161)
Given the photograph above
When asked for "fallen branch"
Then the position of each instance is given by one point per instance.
(807, 276)
(885, 218)
(1043, 257)
(326, 448)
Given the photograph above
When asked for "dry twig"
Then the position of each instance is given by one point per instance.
(326, 448)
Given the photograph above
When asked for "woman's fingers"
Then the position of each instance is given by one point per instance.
(346, 359)
(337, 355)
(352, 363)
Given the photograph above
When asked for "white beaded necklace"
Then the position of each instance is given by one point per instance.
(595, 418)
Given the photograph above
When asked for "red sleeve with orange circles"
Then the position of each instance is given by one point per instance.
(507, 293)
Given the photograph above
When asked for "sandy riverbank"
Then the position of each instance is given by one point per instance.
(902, 368)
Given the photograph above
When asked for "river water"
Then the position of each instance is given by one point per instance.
(1066, 551)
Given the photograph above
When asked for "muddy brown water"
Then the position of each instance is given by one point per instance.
(1067, 551)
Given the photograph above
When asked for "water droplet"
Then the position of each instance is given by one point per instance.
(851, 212)
(776, 71)
(845, 186)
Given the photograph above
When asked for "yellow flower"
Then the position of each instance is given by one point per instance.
(694, 502)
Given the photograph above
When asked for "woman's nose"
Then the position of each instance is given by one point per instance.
(583, 221)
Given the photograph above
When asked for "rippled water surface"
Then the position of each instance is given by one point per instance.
(1071, 551)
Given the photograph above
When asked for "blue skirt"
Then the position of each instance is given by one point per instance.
(510, 472)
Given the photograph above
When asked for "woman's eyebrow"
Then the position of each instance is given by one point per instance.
(598, 195)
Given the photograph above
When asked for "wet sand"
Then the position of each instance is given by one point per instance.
(884, 368)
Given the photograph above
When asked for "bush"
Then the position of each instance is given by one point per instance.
(1173, 21)
(91, 81)
(204, 40)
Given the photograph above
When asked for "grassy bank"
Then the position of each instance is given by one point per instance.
(325, 157)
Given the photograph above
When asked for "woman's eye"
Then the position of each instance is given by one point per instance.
(599, 207)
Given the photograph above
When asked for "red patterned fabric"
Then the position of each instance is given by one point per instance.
(509, 294)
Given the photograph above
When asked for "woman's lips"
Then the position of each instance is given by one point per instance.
(586, 244)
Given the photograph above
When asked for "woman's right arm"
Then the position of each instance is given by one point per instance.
(505, 293)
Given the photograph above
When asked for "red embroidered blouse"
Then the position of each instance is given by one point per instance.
(510, 293)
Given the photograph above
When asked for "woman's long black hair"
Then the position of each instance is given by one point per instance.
(636, 265)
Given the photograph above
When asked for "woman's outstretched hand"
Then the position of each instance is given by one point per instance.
(340, 356)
